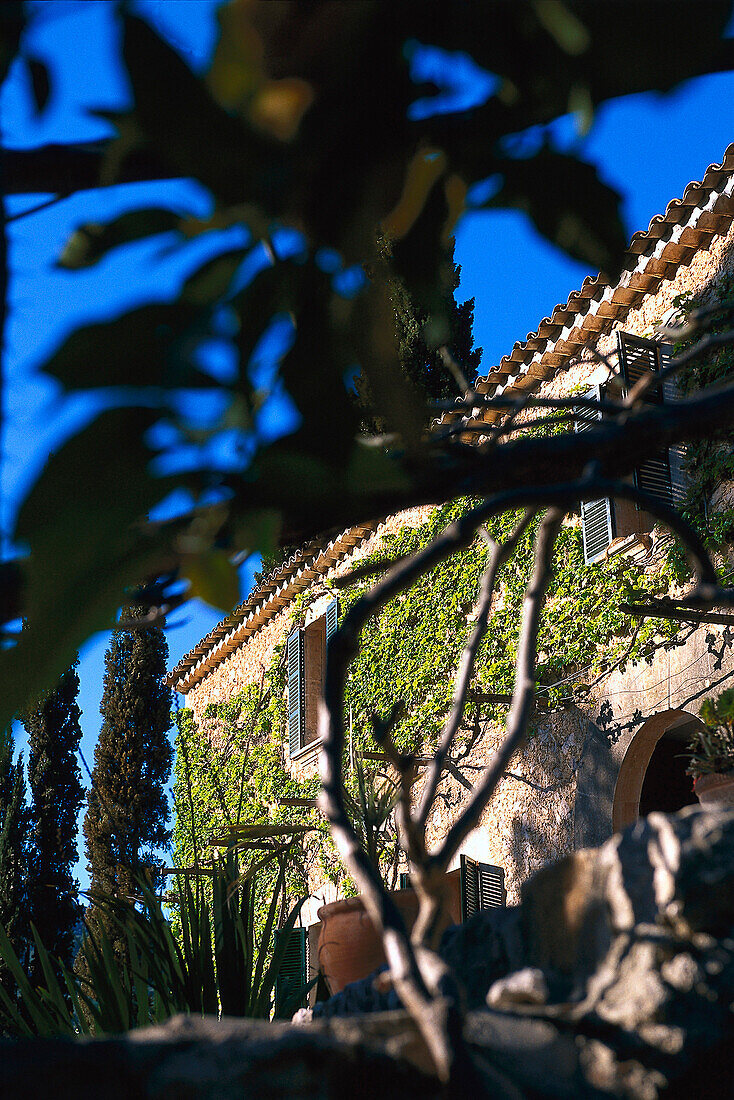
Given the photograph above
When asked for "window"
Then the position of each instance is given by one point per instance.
(603, 521)
(482, 887)
(306, 656)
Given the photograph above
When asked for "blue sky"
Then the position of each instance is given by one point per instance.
(650, 147)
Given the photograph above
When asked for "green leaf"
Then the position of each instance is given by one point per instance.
(212, 280)
(135, 349)
(40, 83)
(375, 467)
(188, 129)
(570, 205)
(75, 584)
(213, 578)
(92, 241)
(258, 532)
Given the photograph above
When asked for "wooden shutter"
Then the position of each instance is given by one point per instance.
(482, 887)
(638, 357)
(597, 516)
(296, 692)
(293, 973)
(332, 621)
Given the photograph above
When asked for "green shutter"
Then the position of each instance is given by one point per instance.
(296, 692)
(638, 357)
(482, 887)
(597, 516)
(332, 621)
(405, 883)
(293, 972)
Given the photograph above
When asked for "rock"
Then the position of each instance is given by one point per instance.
(207, 1059)
(614, 978)
(527, 986)
(617, 968)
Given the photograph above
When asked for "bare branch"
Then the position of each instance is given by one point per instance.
(499, 554)
(473, 400)
(369, 569)
(454, 370)
(678, 612)
(424, 1004)
(654, 380)
(523, 694)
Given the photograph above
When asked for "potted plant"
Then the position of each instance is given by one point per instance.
(349, 946)
(711, 751)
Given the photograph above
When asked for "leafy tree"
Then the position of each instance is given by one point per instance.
(127, 808)
(57, 794)
(14, 826)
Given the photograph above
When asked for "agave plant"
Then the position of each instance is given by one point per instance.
(370, 808)
(217, 964)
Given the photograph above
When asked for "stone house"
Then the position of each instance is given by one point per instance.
(596, 765)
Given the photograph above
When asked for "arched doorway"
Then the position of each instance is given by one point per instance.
(653, 773)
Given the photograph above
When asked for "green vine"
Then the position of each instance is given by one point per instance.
(410, 652)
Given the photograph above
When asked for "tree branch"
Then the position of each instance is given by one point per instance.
(499, 554)
(523, 694)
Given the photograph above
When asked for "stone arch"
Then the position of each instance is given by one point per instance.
(674, 724)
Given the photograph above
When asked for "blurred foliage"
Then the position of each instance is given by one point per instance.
(304, 121)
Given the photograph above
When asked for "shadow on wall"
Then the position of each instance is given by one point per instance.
(595, 785)
(534, 844)
(620, 781)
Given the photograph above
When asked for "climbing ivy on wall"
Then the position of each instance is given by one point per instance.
(708, 462)
(234, 768)
(410, 653)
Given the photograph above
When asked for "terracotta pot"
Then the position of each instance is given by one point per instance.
(349, 947)
(716, 789)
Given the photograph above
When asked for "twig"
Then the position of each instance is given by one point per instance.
(474, 399)
(655, 379)
(523, 694)
(499, 554)
(676, 613)
(454, 370)
(369, 569)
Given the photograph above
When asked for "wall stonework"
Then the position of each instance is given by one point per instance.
(529, 821)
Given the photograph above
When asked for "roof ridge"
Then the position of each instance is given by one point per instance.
(669, 242)
(278, 588)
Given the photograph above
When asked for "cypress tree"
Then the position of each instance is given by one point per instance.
(127, 809)
(14, 827)
(419, 363)
(57, 794)
(423, 365)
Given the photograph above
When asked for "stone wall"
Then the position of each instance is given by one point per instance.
(529, 820)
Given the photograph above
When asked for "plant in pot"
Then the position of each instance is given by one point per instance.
(711, 750)
(349, 946)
